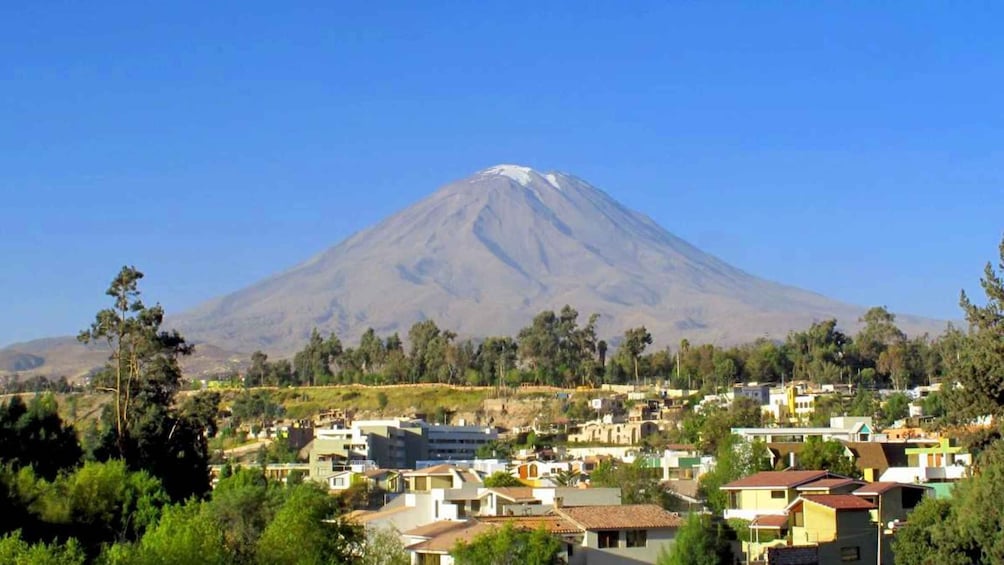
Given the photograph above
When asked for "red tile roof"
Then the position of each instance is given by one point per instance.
(553, 524)
(441, 469)
(436, 528)
(623, 516)
(769, 522)
(445, 541)
(515, 494)
(681, 447)
(840, 501)
(776, 479)
(882, 487)
(827, 484)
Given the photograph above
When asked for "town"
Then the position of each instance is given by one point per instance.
(805, 494)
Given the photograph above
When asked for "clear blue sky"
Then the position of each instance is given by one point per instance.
(854, 150)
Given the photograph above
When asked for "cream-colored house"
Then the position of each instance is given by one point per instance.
(768, 493)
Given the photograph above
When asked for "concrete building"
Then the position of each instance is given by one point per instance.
(397, 443)
(755, 392)
(841, 428)
(616, 433)
(622, 534)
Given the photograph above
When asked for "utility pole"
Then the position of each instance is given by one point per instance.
(678, 368)
(878, 556)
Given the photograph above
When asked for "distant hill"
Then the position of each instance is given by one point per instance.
(65, 356)
(12, 360)
(484, 254)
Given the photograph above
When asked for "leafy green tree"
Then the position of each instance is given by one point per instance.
(716, 423)
(766, 361)
(421, 337)
(979, 367)
(243, 504)
(384, 547)
(635, 341)
(925, 535)
(35, 436)
(878, 335)
(312, 364)
(307, 530)
(259, 369)
(202, 411)
(255, 406)
(567, 478)
(896, 407)
(105, 501)
(501, 479)
(493, 358)
(494, 450)
(506, 545)
(735, 459)
(16, 551)
(965, 530)
(829, 455)
(142, 425)
(863, 403)
(639, 483)
(934, 405)
(698, 542)
(185, 534)
(818, 353)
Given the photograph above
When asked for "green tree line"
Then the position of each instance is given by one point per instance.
(557, 349)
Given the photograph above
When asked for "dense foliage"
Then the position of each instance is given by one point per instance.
(506, 545)
(699, 542)
(969, 528)
(555, 349)
(137, 492)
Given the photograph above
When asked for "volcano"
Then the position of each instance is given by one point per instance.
(482, 255)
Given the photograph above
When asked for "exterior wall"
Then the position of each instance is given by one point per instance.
(342, 446)
(758, 394)
(820, 525)
(752, 502)
(624, 433)
(659, 539)
(457, 442)
(854, 530)
(421, 559)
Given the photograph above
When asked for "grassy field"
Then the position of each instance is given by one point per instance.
(391, 400)
(523, 405)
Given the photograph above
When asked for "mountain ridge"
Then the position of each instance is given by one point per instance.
(483, 254)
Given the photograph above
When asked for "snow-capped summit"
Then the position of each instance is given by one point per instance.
(522, 175)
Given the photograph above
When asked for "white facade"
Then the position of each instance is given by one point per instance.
(457, 442)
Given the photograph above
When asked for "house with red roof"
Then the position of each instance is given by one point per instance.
(839, 525)
(769, 492)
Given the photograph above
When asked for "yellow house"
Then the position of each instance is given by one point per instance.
(768, 493)
(440, 477)
(895, 500)
(840, 525)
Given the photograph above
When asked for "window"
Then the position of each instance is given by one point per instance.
(777, 494)
(799, 519)
(608, 538)
(850, 554)
(636, 538)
